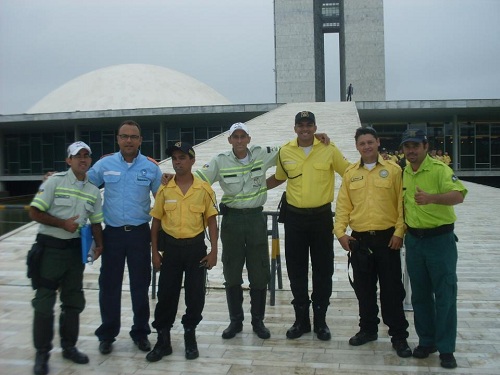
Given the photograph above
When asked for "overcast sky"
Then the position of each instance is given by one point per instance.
(435, 49)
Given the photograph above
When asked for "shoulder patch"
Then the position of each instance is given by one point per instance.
(152, 160)
(454, 178)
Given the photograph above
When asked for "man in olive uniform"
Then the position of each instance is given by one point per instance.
(430, 189)
(62, 206)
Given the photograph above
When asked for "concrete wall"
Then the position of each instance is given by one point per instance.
(362, 52)
(299, 51)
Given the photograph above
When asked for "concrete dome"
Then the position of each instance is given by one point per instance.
(128, 86)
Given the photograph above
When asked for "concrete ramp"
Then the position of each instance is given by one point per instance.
(339, 120)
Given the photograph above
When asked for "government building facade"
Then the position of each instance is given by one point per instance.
(172, 106)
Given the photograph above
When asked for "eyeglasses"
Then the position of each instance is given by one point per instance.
(78, 156)
(125, 137)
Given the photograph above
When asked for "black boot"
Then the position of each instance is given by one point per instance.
(41, 363)
(43, 333)
(258, 309)
(69, 327)
(190, 343)
(320, 327)
(302, 322)
(162, 348)
(234, 296)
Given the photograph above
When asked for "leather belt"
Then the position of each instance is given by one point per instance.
(129, 228)
(199, 238)
(430, 232)
(310, 211)
(374, 233)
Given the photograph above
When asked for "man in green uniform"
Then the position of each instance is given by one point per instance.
(62, 206)
(430, 189)
(241, 173)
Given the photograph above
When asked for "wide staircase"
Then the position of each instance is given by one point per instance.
(338, 120)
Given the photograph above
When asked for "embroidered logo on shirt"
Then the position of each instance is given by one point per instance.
(383, 173)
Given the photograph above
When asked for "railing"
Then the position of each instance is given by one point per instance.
(12, 216)
(275, 256)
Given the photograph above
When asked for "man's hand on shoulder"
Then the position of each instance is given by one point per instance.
(47, 175)
(323, 138)
(166, 177)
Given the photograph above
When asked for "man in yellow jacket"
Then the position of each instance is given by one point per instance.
(370, 202)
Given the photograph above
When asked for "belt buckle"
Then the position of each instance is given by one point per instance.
(127, 228)
(372, 233)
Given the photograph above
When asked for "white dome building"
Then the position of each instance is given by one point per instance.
(129, 86)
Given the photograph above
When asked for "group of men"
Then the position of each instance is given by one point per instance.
(370, 202)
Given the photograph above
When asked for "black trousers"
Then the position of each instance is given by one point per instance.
(179, 261)
(383, 265)
(309, 235)
(133, 248)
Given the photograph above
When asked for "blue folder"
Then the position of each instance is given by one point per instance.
(86, 236)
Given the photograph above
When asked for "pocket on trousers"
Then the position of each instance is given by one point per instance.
(451, 282)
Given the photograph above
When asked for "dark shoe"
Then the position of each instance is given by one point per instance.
(422, 352)
(192, 352)
(234, 296)
(162, 348)
(260, 329)
(402, 348)
(323, 332)
(41, 363)
(232, 330)
(74, 355)
(362, 338)
(190, 343)
(258, 311)
(302, 321)
(448, 360)
(298, 329)
(143, 344)
(159, 351)
(106, 346)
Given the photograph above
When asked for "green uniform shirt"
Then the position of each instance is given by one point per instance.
(433, 177)
(63, 196)
(244, 185)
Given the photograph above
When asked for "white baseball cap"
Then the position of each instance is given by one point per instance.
(238, 126)
(74, 148)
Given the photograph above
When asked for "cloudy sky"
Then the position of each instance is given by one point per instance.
(435, 49)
